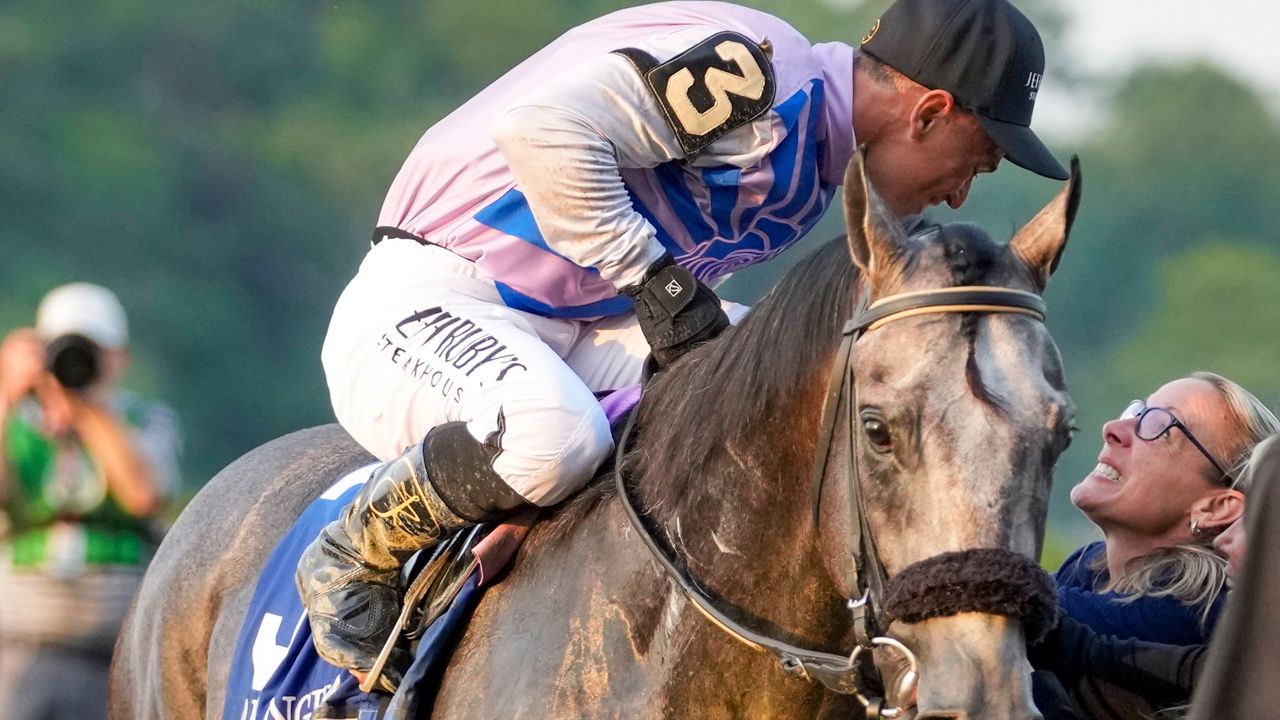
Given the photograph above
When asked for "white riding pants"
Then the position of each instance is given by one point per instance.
(419, 338)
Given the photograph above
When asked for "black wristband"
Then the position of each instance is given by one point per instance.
(675, 310)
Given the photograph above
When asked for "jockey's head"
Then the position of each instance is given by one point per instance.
(944, 90)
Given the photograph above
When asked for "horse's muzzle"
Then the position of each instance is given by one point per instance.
(973, 666)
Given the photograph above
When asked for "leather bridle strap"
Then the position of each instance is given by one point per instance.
(836, 383)
(966, 298)
(837, 672)
(866, 574)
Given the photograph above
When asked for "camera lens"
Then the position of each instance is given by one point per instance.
(74, 360)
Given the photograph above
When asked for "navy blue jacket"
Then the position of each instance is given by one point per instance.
(1081, 674)
(1160, 620)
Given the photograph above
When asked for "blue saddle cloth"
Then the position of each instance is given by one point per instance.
(276, 673)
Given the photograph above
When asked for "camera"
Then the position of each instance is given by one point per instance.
(74, 360)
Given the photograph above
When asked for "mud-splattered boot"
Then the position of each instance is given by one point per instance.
(349, 577)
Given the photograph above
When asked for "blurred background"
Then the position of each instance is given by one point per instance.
(221, 165)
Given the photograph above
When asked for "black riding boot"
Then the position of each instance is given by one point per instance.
(349, 577)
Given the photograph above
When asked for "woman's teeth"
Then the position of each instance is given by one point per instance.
(1108, 472)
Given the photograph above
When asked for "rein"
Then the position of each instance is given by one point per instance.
(946, 584)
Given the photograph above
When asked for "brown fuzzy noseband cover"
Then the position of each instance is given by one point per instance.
(985, 580)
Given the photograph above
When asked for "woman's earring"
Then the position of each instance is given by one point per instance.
(1195, 527)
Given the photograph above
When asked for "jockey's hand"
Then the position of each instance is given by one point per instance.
(350, 623)
(677, 312)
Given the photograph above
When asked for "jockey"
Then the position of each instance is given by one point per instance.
(565, 223)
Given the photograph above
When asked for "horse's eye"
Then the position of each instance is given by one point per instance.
(877, 433)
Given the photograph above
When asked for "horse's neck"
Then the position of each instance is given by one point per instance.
(621, 636)
(743, 532)
(615, 627)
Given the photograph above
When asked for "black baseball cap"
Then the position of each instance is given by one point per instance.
(986, 53)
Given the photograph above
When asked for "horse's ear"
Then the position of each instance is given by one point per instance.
(1040, 242)
(875, 235)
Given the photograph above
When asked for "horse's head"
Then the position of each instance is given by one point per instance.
(959, 418)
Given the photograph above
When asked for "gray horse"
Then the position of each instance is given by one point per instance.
(960, 417)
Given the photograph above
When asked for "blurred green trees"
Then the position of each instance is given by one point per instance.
(220, 165)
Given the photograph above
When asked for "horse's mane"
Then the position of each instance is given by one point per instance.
(720, 393)
(716, 391)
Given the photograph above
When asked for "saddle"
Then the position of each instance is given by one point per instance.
(474, 557)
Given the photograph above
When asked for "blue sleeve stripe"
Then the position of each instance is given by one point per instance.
(783, 157)
(785, 223)
(672, 179)
(808, 165)
(511, 214)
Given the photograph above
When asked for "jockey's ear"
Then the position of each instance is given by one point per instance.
(1039, 243)
(876, 238)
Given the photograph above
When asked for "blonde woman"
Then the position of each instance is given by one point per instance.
(1082, 674)
(1166, 484)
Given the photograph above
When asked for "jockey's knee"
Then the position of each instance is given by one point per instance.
(550, 452)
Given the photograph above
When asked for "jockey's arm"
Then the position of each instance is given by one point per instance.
(21, 365)
(568, 140)
(567, 143)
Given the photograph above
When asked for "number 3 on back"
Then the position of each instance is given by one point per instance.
(720, 84)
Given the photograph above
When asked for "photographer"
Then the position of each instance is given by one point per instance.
(85, 467)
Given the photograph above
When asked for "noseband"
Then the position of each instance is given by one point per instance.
(987, 580)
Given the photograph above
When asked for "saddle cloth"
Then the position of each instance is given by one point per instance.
(275, 671)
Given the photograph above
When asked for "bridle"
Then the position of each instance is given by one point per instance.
(934, 587)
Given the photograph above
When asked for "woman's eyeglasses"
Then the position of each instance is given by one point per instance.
(1154, 422)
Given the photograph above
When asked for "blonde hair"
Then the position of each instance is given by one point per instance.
(1194, 573)
(1191, 573)
(1178, 712)
(1250, 422)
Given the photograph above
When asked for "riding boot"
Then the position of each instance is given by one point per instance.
(349, 577)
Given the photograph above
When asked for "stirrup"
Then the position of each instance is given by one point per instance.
(439, 582)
